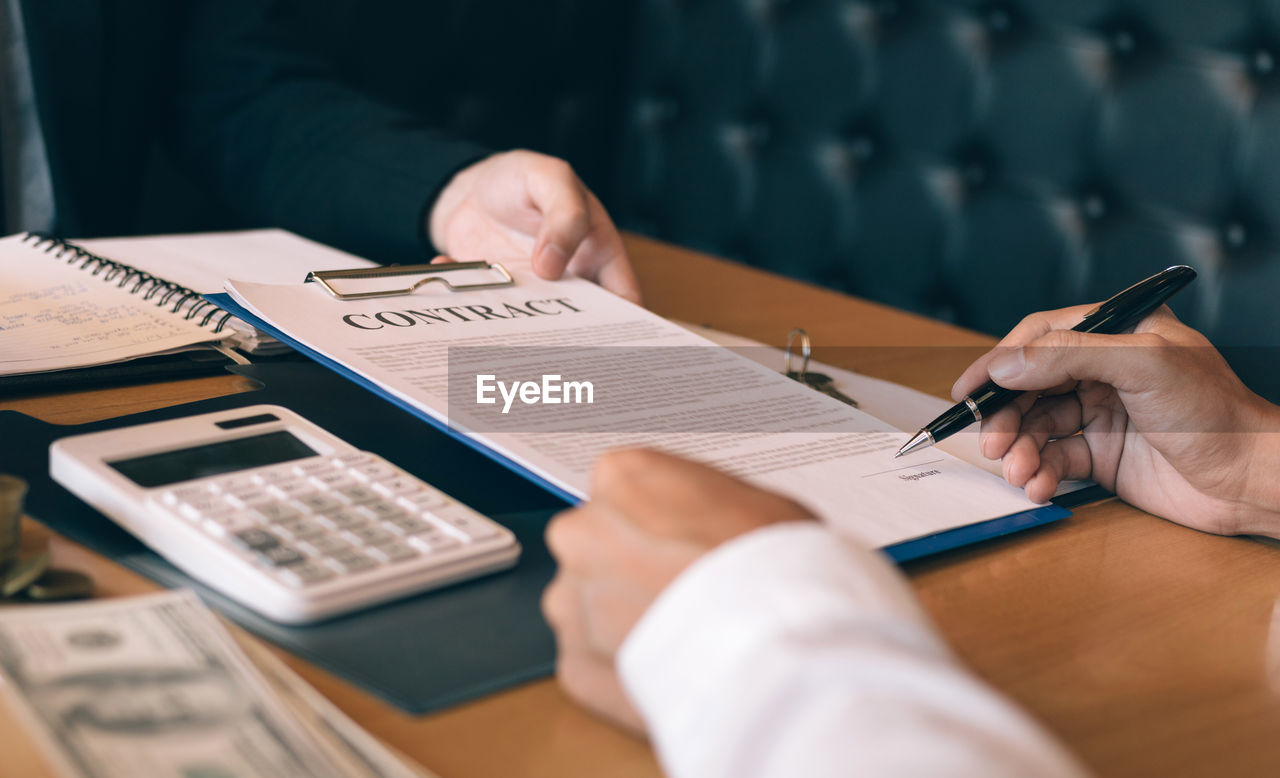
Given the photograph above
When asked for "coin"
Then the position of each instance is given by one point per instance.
(12, 490)
(60, 585)
(22, 572)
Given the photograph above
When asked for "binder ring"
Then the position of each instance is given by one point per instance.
(429, 271)
(805, 352)
(138, 281)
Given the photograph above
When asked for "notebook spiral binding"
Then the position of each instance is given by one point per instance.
(165, 293)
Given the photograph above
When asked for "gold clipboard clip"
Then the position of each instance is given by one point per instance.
(431, 273)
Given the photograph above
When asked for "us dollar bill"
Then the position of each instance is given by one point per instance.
(155, 686)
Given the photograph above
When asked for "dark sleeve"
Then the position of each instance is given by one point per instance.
(270, 123)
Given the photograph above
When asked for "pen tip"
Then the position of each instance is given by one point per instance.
(921, 439)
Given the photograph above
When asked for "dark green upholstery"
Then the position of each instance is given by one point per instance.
(966, 159)
(971, 160)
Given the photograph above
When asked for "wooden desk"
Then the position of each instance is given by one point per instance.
(1148, 648)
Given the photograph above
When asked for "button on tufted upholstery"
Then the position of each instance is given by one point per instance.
(971, 160)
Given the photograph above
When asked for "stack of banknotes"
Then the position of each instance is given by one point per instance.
(155, 685)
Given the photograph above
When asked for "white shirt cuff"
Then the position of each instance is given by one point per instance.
(792, 650)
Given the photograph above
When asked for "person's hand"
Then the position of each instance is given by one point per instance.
(1162, 420)
(522, 204)
(650, 516)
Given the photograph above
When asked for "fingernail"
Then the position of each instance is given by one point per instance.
(1008, 365)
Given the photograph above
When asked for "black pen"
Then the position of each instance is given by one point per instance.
(1111, 317)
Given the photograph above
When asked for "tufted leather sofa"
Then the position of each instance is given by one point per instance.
(969, 159)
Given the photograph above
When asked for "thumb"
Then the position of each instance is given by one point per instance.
(1130, 363)
(566, 217)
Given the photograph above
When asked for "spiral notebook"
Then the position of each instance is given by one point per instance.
(63, 307)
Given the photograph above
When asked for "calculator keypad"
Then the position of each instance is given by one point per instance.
(312, 521)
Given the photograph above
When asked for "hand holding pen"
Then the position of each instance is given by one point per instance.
(1155, 416)
(1115, 315)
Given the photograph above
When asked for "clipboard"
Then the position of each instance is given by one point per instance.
(429, 273)
(903, 551)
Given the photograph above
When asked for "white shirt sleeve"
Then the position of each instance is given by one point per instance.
(791, 651)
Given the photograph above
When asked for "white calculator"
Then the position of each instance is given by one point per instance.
(278, 514)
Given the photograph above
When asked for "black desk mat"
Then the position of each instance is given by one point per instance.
(420, 654)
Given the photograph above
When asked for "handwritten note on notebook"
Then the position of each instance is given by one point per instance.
(57, 314)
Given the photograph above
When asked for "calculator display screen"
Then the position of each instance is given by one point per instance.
(212, 459)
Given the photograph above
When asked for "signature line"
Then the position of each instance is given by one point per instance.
(904, 467)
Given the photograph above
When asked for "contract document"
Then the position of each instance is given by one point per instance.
(548, 375)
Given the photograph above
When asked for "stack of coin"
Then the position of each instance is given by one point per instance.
(26, 576)
(12, 491)
(59, 585)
